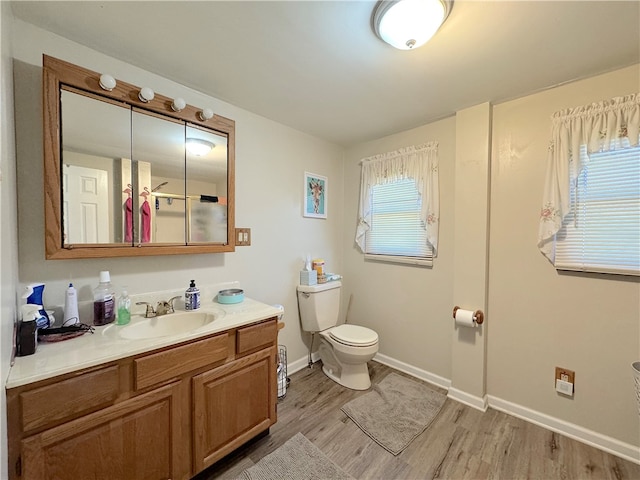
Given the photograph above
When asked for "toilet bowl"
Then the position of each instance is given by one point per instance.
(344, 349)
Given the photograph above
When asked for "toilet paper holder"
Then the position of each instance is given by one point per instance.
(478, 316)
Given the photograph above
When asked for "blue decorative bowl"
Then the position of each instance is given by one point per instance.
(232, 295)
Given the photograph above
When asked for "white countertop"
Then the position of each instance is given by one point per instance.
(106, 344)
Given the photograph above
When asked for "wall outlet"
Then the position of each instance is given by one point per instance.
(565, 381)
(566, 388)
(243, 237)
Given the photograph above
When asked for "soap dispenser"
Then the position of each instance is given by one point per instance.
(192, 297)
(27, 330)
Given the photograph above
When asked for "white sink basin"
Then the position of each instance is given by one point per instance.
(166, 325)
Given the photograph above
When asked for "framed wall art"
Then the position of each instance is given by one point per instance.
(315, 195)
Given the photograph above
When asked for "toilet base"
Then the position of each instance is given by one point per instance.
(355, 377)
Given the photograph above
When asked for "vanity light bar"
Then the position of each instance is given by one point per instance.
(146, 95)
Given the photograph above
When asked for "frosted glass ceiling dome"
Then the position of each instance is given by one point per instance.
(408, 24)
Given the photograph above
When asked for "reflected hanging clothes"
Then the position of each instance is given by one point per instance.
(128, 220)
(145, 214)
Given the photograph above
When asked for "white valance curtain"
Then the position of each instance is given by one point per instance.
(419, 163)
(597, 126)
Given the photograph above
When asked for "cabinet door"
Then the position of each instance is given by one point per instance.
(135, 439)
(232, 404)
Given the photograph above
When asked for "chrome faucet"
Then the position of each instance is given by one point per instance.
(163, 308)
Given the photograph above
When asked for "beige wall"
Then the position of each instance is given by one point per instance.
(270, 163)
(8, 216)
(410, 307)
(537, 318)
(540, 318)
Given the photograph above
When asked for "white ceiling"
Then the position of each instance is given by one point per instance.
(318, 66)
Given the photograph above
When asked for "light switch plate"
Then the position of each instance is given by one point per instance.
(243, 237)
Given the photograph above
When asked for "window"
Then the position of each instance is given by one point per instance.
(601, 233)
(396, 232)
(399, 208)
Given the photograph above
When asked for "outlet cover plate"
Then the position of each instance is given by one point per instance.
(566, 388)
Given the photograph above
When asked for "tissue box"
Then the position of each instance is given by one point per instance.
(308, 278)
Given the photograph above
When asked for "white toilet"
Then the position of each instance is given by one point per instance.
(344, 349)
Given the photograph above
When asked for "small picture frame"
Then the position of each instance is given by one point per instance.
(315, 195)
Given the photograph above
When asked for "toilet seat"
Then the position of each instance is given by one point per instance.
(353, 335)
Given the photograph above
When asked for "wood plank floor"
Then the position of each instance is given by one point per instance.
(461, 443)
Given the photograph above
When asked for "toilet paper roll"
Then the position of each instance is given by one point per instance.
(465, 318)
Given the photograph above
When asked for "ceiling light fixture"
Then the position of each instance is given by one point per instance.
(198, 146)
(408, 24)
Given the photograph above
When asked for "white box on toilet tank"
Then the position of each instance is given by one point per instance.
(319, 305)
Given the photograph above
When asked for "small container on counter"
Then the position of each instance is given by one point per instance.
(232, 295)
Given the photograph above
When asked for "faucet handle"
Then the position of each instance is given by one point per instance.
(150, 313)
(170, 302)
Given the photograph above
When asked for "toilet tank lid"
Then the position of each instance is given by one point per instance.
(320, 287)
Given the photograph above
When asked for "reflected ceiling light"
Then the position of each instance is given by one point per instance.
(198, 147)
(408, 24)
(107, 82)
(178, 104)
(205, 114)
(146, 95)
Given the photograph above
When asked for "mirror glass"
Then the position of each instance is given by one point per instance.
(206, 185)
(159, 169)
(156, 179)
(96, 148)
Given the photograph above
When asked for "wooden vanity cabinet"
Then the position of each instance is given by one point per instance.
(166, 414)
(232, 404)
(135, 439)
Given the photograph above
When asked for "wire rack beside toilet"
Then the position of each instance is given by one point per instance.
(283, 379)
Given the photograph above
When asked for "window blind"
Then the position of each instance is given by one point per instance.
(602, 232)
(396, 232)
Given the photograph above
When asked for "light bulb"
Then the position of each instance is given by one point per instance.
(178, 104)
(146, 95)
(205, 114)
(107, 82)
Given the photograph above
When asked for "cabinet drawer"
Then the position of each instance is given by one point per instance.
(69, 398)
(256, 336)
(161, 366)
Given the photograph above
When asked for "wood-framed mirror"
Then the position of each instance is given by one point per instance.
(124, 177)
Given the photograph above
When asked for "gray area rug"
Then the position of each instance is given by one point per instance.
(297, 459)
(395, 411)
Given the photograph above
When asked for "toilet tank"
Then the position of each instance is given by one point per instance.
(319, 305)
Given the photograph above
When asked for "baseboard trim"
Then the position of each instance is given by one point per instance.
(608, 444)
(301, 363)
(479, 403)
(428, 377)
